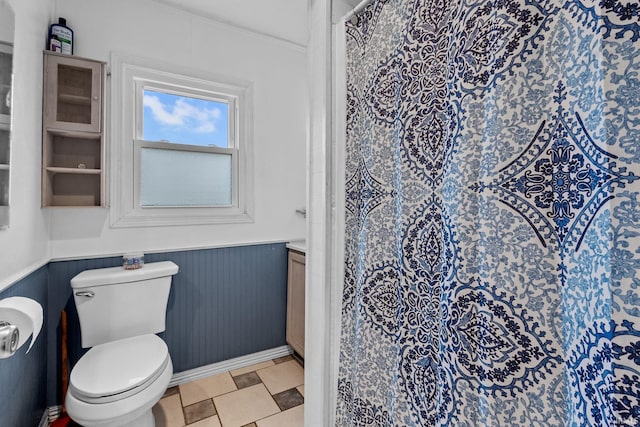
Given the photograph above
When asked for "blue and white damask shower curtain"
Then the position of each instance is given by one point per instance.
(492, 271)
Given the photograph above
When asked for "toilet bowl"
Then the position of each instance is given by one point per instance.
(117, 383)
(128, 368)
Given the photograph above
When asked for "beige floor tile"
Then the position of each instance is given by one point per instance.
(244, 406)
(282, 377)
(206, 388)
(293, 417)
(168, 412)
(301, 389)
(251, 368)
(207, 422)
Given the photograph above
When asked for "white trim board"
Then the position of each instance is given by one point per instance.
(129, 71)
(229, 365)
(322, 354)
(53, 413)
(11, 280)
(44, 420)
(178, 249)
(336, 252)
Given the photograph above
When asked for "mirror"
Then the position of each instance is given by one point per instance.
(6, 79)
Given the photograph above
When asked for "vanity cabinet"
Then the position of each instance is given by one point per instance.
(295, 301)
(6, 60)
(73, 164)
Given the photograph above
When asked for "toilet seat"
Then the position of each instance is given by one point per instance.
(120, 412)
(116, 370)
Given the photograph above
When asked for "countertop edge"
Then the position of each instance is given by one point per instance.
(298, 245)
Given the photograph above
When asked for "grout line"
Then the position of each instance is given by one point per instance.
(239, 389)
(184, 415)
(274, 400)
(215, 408)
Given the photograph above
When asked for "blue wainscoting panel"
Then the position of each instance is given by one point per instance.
(23, 376)
(224, 303)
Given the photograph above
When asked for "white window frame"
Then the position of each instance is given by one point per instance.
(130, 76)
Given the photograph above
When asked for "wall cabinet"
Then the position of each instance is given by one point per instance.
(6, 60)
(73, 164)
(295, 302)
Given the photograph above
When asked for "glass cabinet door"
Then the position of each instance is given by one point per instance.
(77, 92)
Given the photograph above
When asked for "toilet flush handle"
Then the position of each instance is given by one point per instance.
(88, 294)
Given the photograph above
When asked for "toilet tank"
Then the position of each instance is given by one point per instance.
(114, 303)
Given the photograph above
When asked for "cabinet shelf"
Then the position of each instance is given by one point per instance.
(74, 99)
(76, 171)
(74, 134)
(4, 167)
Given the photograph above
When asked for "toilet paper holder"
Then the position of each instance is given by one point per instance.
(20, 319)
(9, 339)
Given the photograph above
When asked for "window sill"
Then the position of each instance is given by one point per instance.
(146, 219)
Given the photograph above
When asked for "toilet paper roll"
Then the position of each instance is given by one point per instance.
(24, 313)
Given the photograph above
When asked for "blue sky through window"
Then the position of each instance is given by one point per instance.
(184, 120)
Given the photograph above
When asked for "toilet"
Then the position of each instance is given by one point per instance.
(128, 368)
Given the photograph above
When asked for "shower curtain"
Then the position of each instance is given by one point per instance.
(492, 267)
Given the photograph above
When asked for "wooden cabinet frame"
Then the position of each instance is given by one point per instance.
(73, 152)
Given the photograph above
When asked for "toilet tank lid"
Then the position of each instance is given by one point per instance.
(111, 275)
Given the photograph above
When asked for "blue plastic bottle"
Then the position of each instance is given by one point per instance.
(61, 37)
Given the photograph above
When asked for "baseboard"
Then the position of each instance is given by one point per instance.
(53, 412)
(45, 420)
(228, 365)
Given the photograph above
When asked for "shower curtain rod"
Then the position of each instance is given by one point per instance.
(357, 9)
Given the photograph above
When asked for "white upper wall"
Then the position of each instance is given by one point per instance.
(284, 19)
(277, 69)
(339, 8)
(24, 245)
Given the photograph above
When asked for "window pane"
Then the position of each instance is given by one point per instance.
(184, 120)
(184, 178)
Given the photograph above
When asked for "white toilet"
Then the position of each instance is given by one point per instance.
(128, 368)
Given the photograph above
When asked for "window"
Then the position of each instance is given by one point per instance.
(186, 151)
(181, 148)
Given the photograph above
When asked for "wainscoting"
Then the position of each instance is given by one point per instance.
(23, 376)
(224, 303)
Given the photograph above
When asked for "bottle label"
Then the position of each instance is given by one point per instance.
(64, 35)
(55, 45)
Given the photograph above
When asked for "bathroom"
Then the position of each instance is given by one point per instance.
(229, 299)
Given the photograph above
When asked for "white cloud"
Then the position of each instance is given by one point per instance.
(183, 114)
(207, 127)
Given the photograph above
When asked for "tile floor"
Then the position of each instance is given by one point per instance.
(269, 394)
